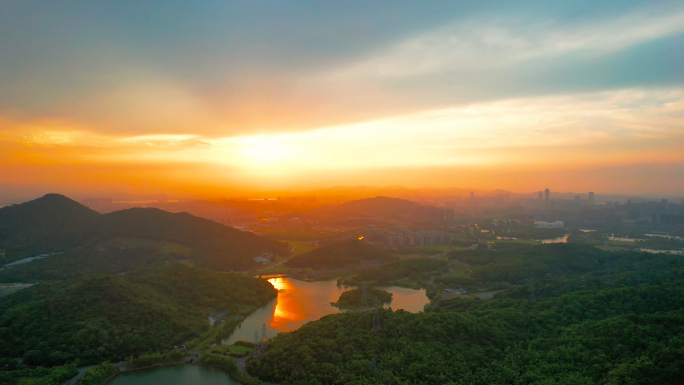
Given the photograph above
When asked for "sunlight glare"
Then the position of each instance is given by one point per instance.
(265, 149)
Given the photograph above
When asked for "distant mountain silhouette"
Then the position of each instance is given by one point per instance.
(385, 207)
(50, 223)
(340, 254)
(56, 223)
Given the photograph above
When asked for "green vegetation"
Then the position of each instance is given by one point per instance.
(301, 247)
(595, 317)
(459, 303)
(12, 373)
(99, 375)
(232, 350)
(428, 250)
(340, 254)
(660, 243)
(146, 360)
(116, 242)
(11, 289)
(516, 263)
(352, 299)
(114, 317)
(641, 240)
(229, 365)
(399, 273)
(246, 344)
(215, 334)
(48, 224)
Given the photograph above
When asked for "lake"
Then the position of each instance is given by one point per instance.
(174, 375)
(299, 302)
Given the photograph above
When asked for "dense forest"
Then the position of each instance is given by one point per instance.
(11, 373)
(516, 263)
(340, 254)
(89, 242)
(401, 273)
(566, 315)
(113, 317)
(353, 299)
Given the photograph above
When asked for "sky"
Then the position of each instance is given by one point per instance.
(212, 98)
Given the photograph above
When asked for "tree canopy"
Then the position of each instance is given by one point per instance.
(113, 317)
(588, 317)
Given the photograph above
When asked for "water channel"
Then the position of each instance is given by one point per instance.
(175, 375)
(298, 302)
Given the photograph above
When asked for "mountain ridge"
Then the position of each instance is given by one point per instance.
(56, 223)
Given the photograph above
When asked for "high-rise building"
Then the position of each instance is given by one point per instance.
(547, 194)
(591, 197)
(472, 194)
(541, 195)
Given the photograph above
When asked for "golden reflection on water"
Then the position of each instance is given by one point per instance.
(289, 308)
(280, 284)
(299, 302)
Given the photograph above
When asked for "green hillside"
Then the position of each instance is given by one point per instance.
(415, 270)
(113, 317)
(353, 299)
(340, 254)
(116, 242)
(591, 317)
(48, 224)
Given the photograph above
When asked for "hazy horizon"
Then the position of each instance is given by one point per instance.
(21, 194)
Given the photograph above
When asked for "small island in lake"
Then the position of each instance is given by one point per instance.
(352, 299)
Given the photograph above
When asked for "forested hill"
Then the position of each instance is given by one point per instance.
(219, 246)
(589, 317)
(114, 317)
(51, 223)
(55, 223)
(340, 254)
(385, 207)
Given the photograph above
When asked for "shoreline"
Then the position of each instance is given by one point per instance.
(179, 363)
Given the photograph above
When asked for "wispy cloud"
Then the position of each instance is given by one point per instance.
(500, 41)
(498, 132)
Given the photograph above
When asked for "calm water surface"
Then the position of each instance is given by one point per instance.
(299, 302)
(175, 375)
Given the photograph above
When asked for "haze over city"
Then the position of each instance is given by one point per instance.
(217, 99)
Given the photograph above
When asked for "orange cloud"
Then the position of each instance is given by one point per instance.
(510, 144)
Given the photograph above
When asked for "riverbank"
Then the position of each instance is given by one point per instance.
(297, 303)
(123, 370)
(241, 379)
(176, 375)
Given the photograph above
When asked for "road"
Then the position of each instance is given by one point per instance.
(472, 233)
(81, 373)
(241, 362)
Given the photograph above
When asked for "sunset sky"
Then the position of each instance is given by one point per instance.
(210, 98)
